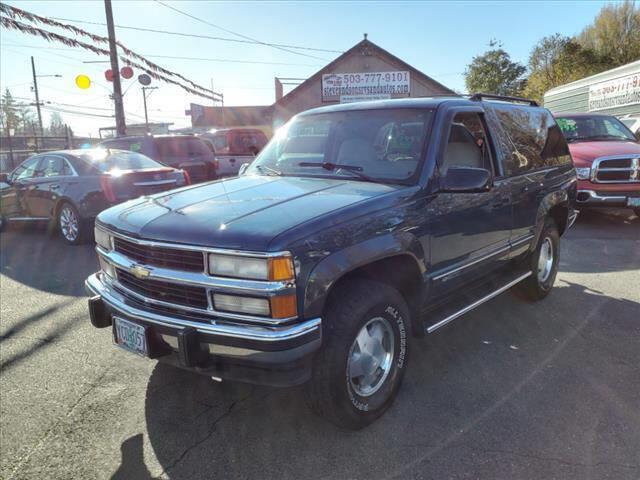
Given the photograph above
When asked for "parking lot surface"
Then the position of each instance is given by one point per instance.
(511, 390)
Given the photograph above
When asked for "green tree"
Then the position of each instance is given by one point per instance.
(615, 33)
(495, 72)
(56, 125)
(556, 60)
(9, 111)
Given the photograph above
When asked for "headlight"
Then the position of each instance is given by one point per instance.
(281, 306)
(102, 238)
(107, 268)
(274, 269)
(583, 173)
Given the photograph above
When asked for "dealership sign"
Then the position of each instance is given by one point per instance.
(370, 84)
(619, 92)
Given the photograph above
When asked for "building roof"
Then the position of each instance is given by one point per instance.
(364, 44)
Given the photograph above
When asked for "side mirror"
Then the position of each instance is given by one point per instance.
(243, 168)
(466, 179)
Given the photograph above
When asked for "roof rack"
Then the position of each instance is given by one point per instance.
(477, 97)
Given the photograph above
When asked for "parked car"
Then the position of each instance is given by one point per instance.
(186, 152)
(606, 155)
(356, 229)
(234, 147)
(633, 123)
(70, 187)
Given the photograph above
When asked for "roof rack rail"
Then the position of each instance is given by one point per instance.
(505, 98)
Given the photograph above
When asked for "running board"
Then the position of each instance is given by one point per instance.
(475, 304)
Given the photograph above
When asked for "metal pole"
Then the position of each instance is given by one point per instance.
(146, 117)
(117, 88)
(13, 165)
(35, 88)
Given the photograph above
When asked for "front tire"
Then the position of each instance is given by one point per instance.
(70, 224)
(543, 263)
(360, 367)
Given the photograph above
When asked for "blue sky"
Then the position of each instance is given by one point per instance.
(439, 38)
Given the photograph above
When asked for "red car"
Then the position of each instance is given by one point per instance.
(607, 159)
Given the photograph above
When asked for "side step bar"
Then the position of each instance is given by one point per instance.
(475, 304)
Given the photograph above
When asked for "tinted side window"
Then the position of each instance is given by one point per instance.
(27, 169)
(531, 139)
(467, 144)
(52, 166)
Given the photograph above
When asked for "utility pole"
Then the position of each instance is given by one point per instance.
(35, 89)
(144, 98)
(117, 88)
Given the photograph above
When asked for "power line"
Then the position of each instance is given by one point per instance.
(195, 35)
(246, 37)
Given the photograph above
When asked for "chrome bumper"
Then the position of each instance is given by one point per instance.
(590, 197)
(261, 334)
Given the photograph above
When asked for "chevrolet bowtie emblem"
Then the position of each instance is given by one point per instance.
(139, 272)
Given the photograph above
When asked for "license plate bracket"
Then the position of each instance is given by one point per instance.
(131, 336)
(633, 202)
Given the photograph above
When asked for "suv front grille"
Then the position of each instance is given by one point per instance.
(179, 294)
(173, 258)
(617, 170)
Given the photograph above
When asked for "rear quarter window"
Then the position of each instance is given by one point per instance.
(529, 138)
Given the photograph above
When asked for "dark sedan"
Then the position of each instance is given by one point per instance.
(71, 187)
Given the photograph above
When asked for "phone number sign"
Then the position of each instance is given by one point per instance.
(369, 84)
(615, 93)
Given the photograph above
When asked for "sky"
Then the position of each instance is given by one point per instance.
(438, 38)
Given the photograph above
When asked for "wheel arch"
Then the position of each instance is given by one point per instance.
(399, 263)
(554, 205)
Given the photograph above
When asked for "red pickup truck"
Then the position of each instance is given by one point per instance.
(606, 156)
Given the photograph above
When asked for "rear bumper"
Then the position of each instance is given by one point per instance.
(593, 198)
(278, 356)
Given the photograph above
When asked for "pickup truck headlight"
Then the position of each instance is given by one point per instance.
(273, 269)
(583, 173)
(102, 238)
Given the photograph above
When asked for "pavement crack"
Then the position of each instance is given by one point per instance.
(212, 430)
(25, 458)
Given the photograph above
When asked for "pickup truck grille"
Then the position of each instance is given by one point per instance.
(179, 294)
(176, 259)
(616, 170)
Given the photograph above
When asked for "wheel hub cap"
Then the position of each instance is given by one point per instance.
(545, 260)
(68, 224)
(370, 357)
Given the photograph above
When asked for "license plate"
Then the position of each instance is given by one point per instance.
(130, 336)
(633, 202)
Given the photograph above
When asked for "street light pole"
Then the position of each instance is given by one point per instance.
(144, 98)
(35, 88)
(117, 88)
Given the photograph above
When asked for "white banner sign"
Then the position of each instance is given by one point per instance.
(371, 84)
(615, 93)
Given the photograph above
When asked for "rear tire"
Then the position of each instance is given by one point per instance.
(543, 263)
(358, 371)
(70, 225)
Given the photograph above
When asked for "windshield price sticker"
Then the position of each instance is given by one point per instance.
(369, 84)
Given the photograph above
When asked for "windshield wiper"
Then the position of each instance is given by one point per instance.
(335, 166)
(273, 171)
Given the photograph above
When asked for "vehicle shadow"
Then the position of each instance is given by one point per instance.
(476, 385)
(593, 244)
(35, 257)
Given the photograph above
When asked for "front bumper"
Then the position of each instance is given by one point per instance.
(593, 198)
(269, 355)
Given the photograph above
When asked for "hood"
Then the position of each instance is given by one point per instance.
(584, 153)
(243, 213)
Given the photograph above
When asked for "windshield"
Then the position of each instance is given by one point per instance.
(114, 160)
(385, 145)
(594, 128)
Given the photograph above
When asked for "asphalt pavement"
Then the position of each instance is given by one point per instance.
(512, 390)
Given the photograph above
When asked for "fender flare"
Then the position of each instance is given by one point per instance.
(338, 264)
(549, 201)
